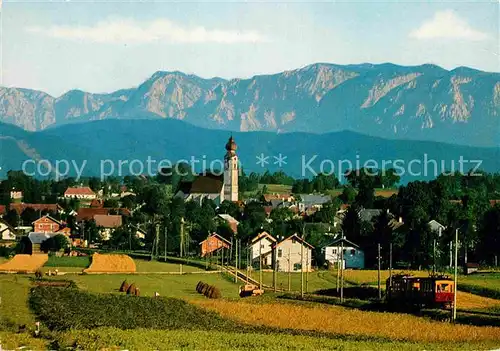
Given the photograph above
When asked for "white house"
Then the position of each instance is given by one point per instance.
(293, 253)
(436, 226)
(84, 193)
(6, 231)
(354, 257)
(262, 246)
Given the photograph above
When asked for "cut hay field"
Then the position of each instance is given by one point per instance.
(158, 266)
(29, 263)
(112, 263)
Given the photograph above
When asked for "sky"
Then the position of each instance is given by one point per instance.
(99, 46)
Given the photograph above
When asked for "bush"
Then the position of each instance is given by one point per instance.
(131, 289)
(68, 308)
(124, 286)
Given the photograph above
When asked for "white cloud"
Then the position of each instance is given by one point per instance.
(447, 25)
(129, 31)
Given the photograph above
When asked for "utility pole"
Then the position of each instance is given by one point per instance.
(434, 257)
(451, 255)
(342, 270)
(165, 246)
(338, 272)
(307, 270)
(236, 263)
(390, 266)
(182, 238)
(302, 265)
(456, 277)
(378, 274)
(248, 263)
(289, 270)
(260, 265)
(275, 260)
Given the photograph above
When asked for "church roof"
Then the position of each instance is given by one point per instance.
(203, 184)
(231, 145)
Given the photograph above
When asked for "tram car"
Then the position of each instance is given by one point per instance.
(428, 292)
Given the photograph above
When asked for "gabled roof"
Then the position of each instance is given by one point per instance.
(108, 221)
(312, 199)
(89, 213)
(20, 207)
(203, 184)
(217, 236)
(8, 226)
(368, 214)
(49, 218)
(38, 238)
(84, 190)
(338, 242)
(296, 237)
(263, 235)
(228, 218)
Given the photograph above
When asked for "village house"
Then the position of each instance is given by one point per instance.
(312, 203)
(16, 195)
(436, 226)
(83, 193)
(354, 257)
(262, 247)
(20, 207)
(32, 243)
(230, 220)
(7, 233)
(107, 225)
(213, 243)
(292, 253)
(46, 224)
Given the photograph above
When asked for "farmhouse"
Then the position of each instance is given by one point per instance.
(215, 187)
(16, 195)
(107, 224)
(213, 243)
(46, 224)
(84, 193)
(293, 253)
(354, 257)
(262, 247)
(32, 243)
(6, 231)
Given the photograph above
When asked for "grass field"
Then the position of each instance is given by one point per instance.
(65, 261)
(158, 266)
(301, 325)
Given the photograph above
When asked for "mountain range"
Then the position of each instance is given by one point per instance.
(427, 102)
(105, 143)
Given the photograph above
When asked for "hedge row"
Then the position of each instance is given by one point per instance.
(68, 308)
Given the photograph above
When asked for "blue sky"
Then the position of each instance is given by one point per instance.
(104, 46)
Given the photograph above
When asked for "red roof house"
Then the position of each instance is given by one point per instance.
(213, 243)
(83, 192)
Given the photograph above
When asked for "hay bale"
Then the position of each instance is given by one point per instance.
(198, 286)
(204, 288)
(131, 289)
(215, 293)
(124, 286)
(137, 292)
(208, 291)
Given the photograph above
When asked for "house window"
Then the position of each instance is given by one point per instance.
(353, 252)
(345, 251)
(334, 251)
(280, 253)
(297, 267)
(293, 241)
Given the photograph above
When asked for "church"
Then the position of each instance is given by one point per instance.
(218, 188)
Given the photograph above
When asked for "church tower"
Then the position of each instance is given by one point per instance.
(231, 171)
